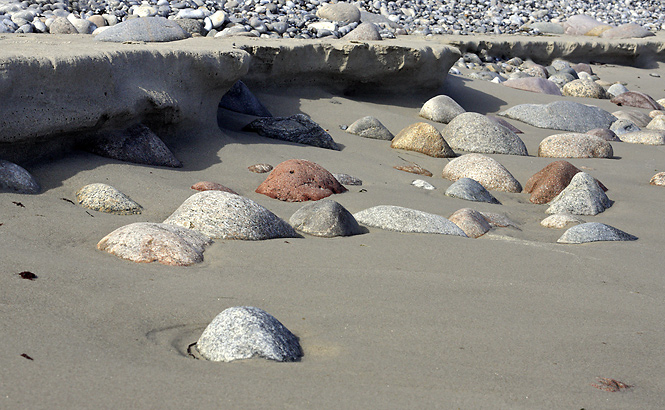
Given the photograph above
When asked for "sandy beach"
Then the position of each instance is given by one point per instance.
(511, 320)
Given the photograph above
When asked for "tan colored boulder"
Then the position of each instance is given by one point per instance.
(574, 145)
(422, 137)
(472, 222)
(560, 221)
(646, 137)
(212, 186)
(657, 123)
(298, 180)
(598, 30)
(584, 88)
(485, 170)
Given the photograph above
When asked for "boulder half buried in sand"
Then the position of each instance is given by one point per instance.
(298, 180)
(325, 218)
(594, 232)
(399, 219)
(636, 99)
(219, 214)
(370, 127)
(137, 144)
(561, 115)
(483, 169)
(153, 242)
(575, 145)
(473, 132)
(297, 128)
(422, 137)
(441, 108)
(14, 178)
(105, 198)
(471, 190)
(472, 222)
(244, 332)
(583, 196)
(547, 183)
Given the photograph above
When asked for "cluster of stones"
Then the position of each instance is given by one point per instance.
(372, 19)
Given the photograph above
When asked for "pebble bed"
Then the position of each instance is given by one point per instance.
(297, 18)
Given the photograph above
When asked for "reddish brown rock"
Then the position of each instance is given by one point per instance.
(547, 183)
(298, 180)
(212, 186)
(636, 99)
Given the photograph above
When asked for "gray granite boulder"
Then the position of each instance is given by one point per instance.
(240, 99)
(191, 26)
(483, 169)
(219, 214)
(630, 30)
(147, 242)
(580, 24)
(561, 79)
(325, 218)
(346, 179)
(364, 32)
(441, 108)
(14, 178)
(297, 128)
(561, 115)
(473, 132)
(105, 198)
(370, 127)
(243, 332)
(622, 126)
(575, 145)
(61, 25)
(343, 12)
(546, 27)
(594, 232)
(148, 29)
(137, 144)
(583, 196)
(471, 190)
(399, 219)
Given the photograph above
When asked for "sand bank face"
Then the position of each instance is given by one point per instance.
(509, 320)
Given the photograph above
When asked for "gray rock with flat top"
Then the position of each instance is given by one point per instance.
(325, 218)
(148, 29)
(473, 132)
(105, 198)
(244, 332)
(561, 115)
(397, 218)
(594, 232)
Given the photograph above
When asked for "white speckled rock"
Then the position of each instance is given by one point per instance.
(646, 137)
(559, 221)
(397, 218)
(245, 331)
(470, 190)
(575, 145)
(151, 242)
(594, 232)
(419, 183)
(483, 169)
(219, 214)
(370, 127)
(441, 108)
(105, 198)
(14, 178)
(473, 132)
(561, 115)
(582, 196)
(657, 123)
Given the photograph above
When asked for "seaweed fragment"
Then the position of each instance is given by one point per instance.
(28, 275)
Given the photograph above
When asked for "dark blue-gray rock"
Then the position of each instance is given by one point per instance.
(470, 190)
(594, 232)
(399, 219)
(441, 108)
(297, 128)
(245, 331)
(364, 32)
(137, 144)
(620, 127)
(583, 196)
(14, 178)
(370, 127)
(148, 29)
(473, 132)
(146, 242)
(105, 198)
(346, 179)
(240, 99)
(561, 115)
(325, 218)
(219, 214)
